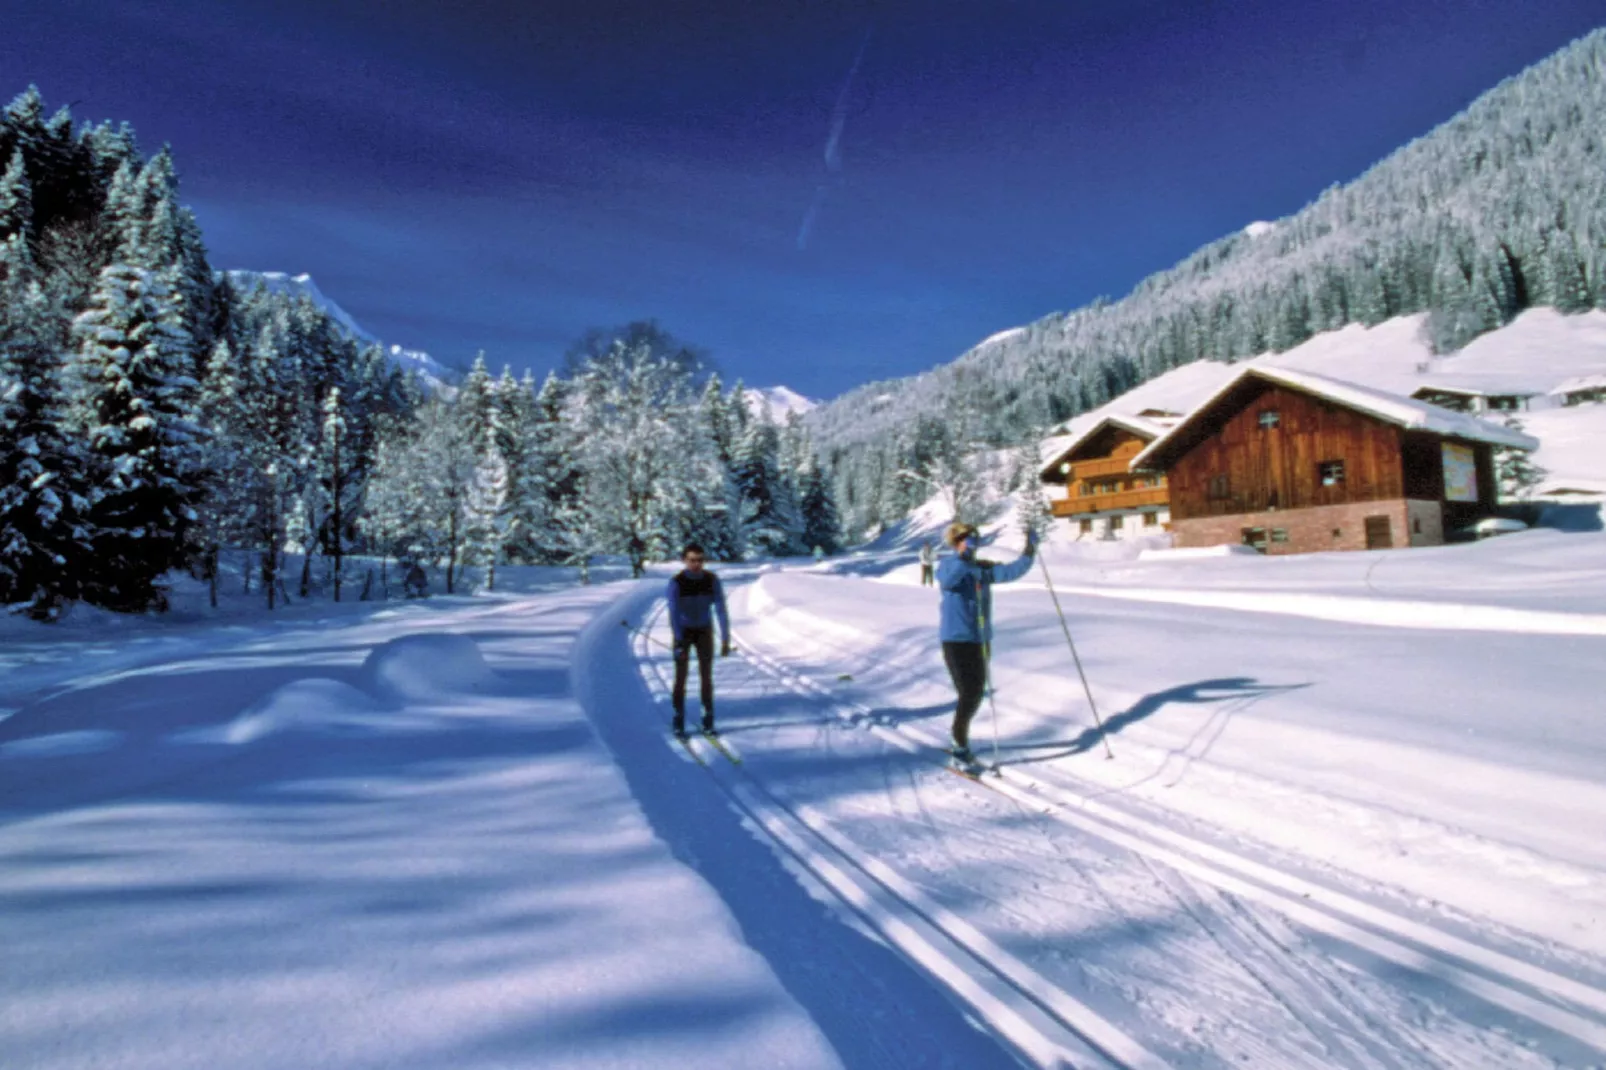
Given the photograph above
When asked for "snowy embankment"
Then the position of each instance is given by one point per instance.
(391, 841)
(1457, 767)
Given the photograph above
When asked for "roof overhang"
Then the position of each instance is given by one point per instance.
(1144, 429)
(1407, 413)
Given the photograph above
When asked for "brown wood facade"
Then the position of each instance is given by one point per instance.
(1266, 450)
(1100, 479)
(1245, 467)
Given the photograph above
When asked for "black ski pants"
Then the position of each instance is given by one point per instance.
(703, 640)
(967, 665)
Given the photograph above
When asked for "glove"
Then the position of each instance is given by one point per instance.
(725, 649)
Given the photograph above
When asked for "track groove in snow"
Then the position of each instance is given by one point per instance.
(1542, 996)
(1043, 1023)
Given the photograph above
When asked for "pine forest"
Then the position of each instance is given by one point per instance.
(156, 415)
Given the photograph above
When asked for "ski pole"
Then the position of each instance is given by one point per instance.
(1066, 628)
(987, 670)
(646, 635)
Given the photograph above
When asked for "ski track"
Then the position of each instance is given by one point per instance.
(1314, 978)
(1043, 1024)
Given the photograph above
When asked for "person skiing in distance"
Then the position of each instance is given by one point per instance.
(695, 595)
(928, 563)
(966, 624)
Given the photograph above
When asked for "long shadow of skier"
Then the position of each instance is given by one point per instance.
(1201, 691)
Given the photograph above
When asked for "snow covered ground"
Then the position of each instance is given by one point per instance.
(1355, 817)
(352, 842)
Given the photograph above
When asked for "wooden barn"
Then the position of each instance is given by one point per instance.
(1104, 498)
(1290, 462)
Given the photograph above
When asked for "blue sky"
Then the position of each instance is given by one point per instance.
(504, 174)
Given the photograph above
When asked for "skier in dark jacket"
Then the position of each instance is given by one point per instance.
(967, 623)
(695, 595)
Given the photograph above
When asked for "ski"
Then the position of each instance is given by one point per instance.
(685, 741)
(719, 744)
(972, 771)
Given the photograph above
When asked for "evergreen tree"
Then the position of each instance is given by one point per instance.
(1031, 502)
(44, 540)
(485, 514)
(772, 524)
(142, 440)
(554, 451)
(16, 220)
(822, 525)
(1515, 471)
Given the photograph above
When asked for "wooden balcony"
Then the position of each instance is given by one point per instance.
(1112, 466)
(1138, 498)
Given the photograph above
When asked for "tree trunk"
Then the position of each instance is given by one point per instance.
(339, 535)
(451, 550)
(306, 571)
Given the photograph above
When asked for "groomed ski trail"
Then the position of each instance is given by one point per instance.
(1325, 957)
(1039, 1024)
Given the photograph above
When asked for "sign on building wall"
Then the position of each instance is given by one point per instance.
(1460, 472)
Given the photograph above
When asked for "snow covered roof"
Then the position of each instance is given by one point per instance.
(1582, 382)
(1483, 386)
(1144, 428)
(1409, 413)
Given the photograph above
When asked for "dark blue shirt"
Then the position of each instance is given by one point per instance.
(693, 601)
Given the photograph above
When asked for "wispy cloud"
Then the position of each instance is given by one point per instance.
(833, 145)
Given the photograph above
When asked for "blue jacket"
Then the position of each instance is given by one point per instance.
(967, 595)
(693, 600)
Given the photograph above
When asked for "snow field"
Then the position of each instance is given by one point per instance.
(1459, 826)
(881, 654)
(457, 880)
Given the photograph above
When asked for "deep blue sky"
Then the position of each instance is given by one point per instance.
(503, 174)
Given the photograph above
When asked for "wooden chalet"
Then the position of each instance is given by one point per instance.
(1583, 390)
(1289, 462)
(1104, 498)
(1478, 397)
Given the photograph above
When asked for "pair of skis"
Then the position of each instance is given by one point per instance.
(972, 770)
(713, 739)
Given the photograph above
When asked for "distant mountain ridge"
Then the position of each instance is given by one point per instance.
(779, 401)
(433, 374)
(1500, 209)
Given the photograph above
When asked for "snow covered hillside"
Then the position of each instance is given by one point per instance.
(1539, 350)
(433, 374)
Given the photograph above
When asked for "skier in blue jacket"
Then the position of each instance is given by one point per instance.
(695, 595)
(967, 622)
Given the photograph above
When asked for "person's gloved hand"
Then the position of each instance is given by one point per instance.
(725, 649)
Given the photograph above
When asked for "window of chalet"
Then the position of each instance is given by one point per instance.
(1279, 534)
(1151, 519)
(1117, 523)
(1255, 537)
(1331, 473)
(1087, 525)
(1220, 488)
(1270, 420)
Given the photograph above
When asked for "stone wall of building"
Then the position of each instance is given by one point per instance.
(1323, 527)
